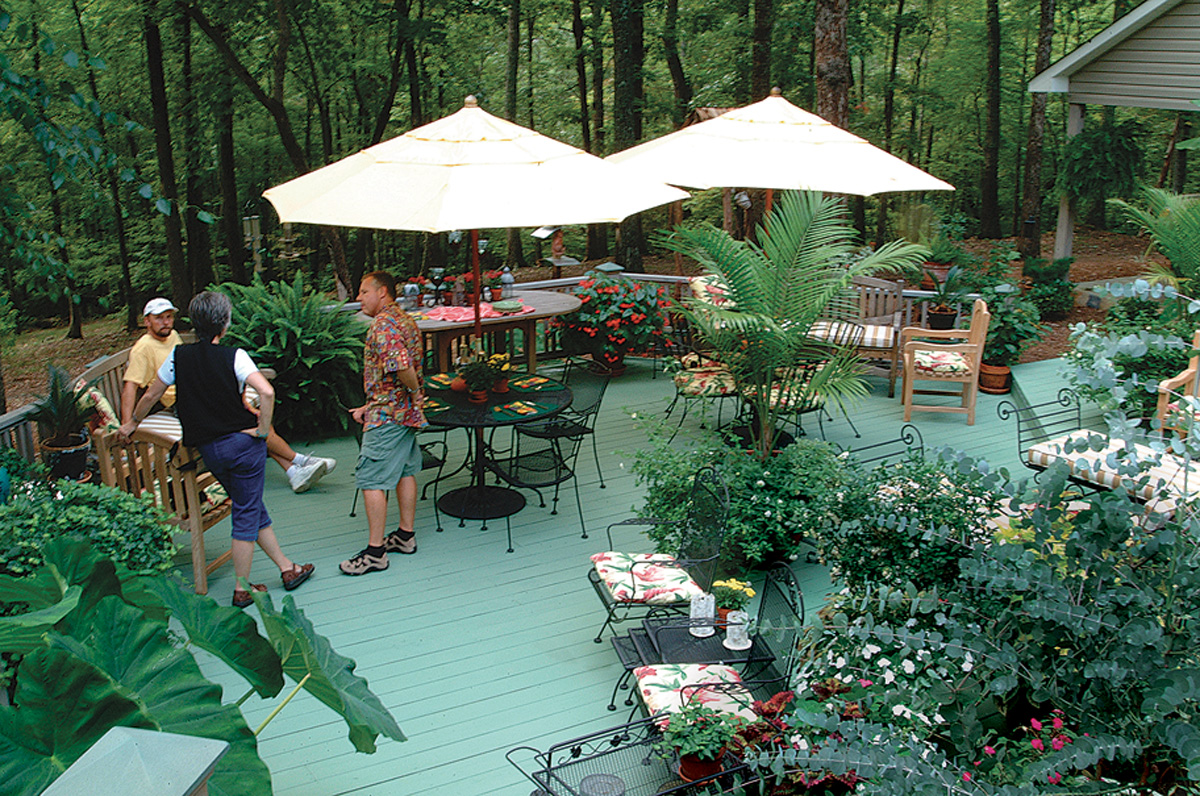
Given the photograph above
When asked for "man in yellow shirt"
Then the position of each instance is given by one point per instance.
(147, 356)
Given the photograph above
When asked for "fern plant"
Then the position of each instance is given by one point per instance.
(314, 348)
(1173, 223)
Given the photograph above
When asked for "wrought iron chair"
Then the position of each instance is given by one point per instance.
(698, 378)
(635, 584)
(588, 382)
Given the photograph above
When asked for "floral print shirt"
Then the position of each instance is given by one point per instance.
(393, 344)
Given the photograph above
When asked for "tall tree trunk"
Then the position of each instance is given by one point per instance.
(412, 66)
(160, 114)
(889, 113)
(627, 71)
(679, 81)
(989, 181)
(833, 61)
(1030, 235)
(199, 260)
(760, 49)
(741, 53)
(515, 254)
(530, 16)
(132, 311)
(597, 36)
(581, 83)
(231, 228)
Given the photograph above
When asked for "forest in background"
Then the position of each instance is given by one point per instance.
(139, 136)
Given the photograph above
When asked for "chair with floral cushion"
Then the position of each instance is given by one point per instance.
(1178, 405)
(666, 687)
(926, 359)
(634, 584)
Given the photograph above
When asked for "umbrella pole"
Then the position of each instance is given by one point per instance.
(677, 221)
(475, 285)
(727, 209)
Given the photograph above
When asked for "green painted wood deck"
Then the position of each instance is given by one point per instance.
(475, 650)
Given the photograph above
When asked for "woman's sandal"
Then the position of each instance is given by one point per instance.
(242, 598)
(296, 575)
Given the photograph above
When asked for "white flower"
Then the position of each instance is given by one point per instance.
(760, 482)
(840, 662)
(900, 710)
(870, 650)
(923, 655)
(967, 666)
(884, 662)
(938, 718)
(908, 666)
(889, 677)
(802, 744)
(767, 513)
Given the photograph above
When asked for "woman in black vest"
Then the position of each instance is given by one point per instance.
(215, 420)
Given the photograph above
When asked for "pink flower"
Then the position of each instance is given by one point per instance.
(1037, 725)
(1058, 742)
(865, 683)
(1058, 723)
(989, 750)
(1037, 744)
(966, 776)
(1054, 778)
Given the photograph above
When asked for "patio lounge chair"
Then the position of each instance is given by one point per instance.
(635, 584)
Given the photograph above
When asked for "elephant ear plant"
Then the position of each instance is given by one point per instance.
(93, 651)
(777, 289)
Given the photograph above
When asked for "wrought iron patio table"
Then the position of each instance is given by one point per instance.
(479, 501)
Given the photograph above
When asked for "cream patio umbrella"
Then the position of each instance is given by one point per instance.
(775, 145)
(469, 170)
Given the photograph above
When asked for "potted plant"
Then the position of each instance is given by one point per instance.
(731, 595)
(617, 316)
(943, 256)
(501, 365)
(1015, 326)
(944, 299)
(479, 376)
(63, 415)
(699, 735)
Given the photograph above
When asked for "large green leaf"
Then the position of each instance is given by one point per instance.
(24, 632)
(229, 633)
(331, 677)
(137, 655)
(39, 590)
(63, 706)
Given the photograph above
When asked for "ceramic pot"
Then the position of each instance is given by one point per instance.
(478, 396)
(938, 319)
(722, 617)
(692, 768)
(458, 384)
(995, 379)
(501, 385)
(615, 363)
(938, 271)
(66, 457)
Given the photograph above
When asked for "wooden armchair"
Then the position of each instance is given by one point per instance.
(1178, 394)
(878, 309)
(928, 360)
(156, 465)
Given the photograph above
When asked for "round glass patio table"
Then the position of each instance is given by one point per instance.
(479, 501)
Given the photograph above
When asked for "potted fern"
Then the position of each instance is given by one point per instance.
(63, 416)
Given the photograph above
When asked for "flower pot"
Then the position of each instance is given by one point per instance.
(995, 379)
(615, 363)
(692, 768)
(66, 456)
(938, 271)
(722, 617)
(458, 384)
(941, 319)
(478, 396)
(501, 385)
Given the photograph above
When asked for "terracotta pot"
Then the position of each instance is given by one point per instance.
(501, 385)
(478, 396)
(692, 768)
(615, 363)
(722, 617)
(938, 319)
(938, 271)
(995, 379)
(67, 457)
(458, 384)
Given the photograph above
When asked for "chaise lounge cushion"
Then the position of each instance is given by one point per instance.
(661, 687)
(651, 578)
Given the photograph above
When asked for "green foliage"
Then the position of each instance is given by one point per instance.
(696, 729)
(944, 251)
(97, 652)
(314, 347)
(1173, 223)
(1015, 325)
(776, 292)
(773, 503)
(62, 408)
(122, 527)
(909, 522)
(1040, 271)
(618, 315)
(1052, 299)
(948, 292)
(1102, 161)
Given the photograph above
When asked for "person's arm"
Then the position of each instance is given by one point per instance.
(266, 403)
(151, 396)
(129, 397)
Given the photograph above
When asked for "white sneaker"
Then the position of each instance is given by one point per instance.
(302, 478)
(330, 464)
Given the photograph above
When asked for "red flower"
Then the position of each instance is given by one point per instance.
(1054, 778)
(1037, 744)
(1037, 725)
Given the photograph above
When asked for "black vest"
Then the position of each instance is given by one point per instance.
(207, 397)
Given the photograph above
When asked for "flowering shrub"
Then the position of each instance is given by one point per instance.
(733, 595)
(697, 729)
(618, 315)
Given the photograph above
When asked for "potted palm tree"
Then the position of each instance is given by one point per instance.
(63, 415)
(777, 291)
(943, 255)
(947, 294)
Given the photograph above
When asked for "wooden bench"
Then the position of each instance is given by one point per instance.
(167, 471)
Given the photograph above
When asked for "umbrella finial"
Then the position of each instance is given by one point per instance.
(470, 102)
(776, 92)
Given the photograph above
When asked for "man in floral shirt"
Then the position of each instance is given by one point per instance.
(390, 457)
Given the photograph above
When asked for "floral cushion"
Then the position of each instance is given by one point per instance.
(706, 382)
(709, 289)
(941, 363)
(105, 418)
(650, 578)
(661, 688)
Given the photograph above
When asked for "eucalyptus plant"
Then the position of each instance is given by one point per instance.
(800, 272)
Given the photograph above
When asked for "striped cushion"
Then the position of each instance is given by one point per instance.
(661, 688)
(941, 363)
(874, 335)
(650, 578)
(1100, 467)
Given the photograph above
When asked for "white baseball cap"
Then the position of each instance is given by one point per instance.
(157, 306)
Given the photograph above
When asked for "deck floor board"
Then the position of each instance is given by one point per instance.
(475, 650)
